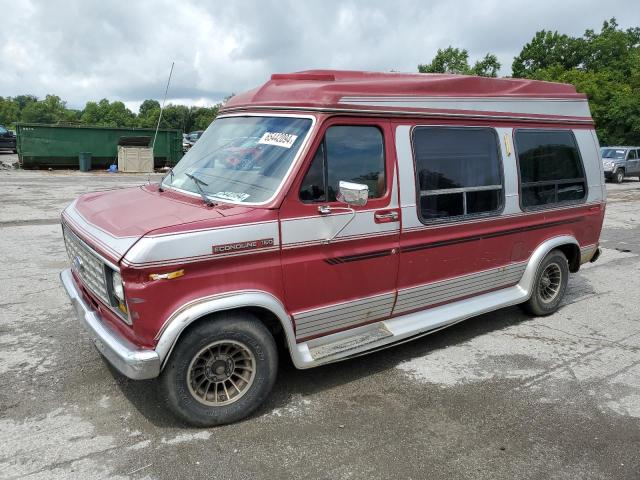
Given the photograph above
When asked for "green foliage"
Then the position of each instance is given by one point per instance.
(487, 67)
(204, 116)
(548, 50)
(9, 111)
(52, 110)
(49, 110)
(454, 60)
(107, 114)
(604, 65)
(449, 60)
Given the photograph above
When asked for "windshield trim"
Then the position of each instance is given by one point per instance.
(293, 165)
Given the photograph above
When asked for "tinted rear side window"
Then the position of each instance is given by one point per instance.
(551, 170)
(458, 172)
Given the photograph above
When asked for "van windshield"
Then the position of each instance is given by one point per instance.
(241, 159)
(613, 153)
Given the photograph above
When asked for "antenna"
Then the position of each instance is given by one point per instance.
(162, 108)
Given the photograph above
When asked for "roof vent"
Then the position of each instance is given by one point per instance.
(318, 77)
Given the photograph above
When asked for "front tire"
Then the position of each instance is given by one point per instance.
(618, 177)
(549, 285)
(221, 370)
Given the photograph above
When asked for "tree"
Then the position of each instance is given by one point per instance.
(449, 60)
(203, 117)
(454, 60)
(107, 114)
(604, 65)
(50, 110)
(489, 66)
(149, 107)
(546, 50)
(177, 117)
(148, 114)
(23, 100)
(9, 111)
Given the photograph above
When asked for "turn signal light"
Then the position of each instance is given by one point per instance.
(166, 276)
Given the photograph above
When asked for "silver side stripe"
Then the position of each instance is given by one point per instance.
(532, 106)
(325, 319)
(307, 230)
(201, 258)
(198, 246)
(446, 290)
(340, 239)
(397, 111)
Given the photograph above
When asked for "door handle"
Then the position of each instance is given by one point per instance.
(385, 217)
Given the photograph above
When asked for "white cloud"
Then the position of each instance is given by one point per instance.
(86, 50)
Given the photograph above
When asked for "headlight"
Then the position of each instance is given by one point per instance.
(117, 289)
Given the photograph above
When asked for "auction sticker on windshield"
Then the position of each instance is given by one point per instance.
(278, 139)
(233, 196)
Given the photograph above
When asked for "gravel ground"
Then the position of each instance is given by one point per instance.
(501, 396)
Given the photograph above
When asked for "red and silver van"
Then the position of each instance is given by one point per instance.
(335, 213)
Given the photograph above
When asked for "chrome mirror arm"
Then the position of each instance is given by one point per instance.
(326, 210)
(351, 194)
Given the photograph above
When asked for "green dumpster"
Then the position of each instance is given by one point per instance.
(60, 146)
(85, 161)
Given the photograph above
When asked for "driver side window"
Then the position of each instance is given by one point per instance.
(349, 153)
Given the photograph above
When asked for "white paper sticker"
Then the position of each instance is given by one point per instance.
(278, 139)
(233, 196)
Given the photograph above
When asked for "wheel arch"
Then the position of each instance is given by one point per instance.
(564, 243)
(573, 254)
(267, 308)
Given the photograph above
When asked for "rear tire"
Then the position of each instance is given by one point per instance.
(549, 285)
(618, 176)
(221, 370)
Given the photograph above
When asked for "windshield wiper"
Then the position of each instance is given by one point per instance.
(170, 172)
(199, 182)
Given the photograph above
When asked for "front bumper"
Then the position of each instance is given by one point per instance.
(130, 360)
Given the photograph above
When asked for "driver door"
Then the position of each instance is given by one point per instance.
(333, 284)
(633, 164)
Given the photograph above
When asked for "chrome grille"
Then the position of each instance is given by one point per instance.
(86, 264)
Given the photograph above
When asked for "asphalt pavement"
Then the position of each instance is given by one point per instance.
(500, 396)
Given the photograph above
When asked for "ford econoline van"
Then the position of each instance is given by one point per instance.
(335, 213)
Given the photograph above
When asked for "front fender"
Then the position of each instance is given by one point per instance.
(196, 309)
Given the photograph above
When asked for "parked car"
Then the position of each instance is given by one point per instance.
(620, 162)
(186, 145)
(190, 139)
(328, 213)
(7, 139)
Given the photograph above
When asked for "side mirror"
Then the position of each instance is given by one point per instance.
(353, 194)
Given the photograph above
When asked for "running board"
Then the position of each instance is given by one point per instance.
(408, 326)
(350, 343)
(400, 329)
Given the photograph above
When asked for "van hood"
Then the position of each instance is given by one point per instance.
(113, 221)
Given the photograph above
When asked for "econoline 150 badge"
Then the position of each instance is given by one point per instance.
(241, 246)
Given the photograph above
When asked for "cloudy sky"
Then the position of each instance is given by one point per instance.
(86, 50)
